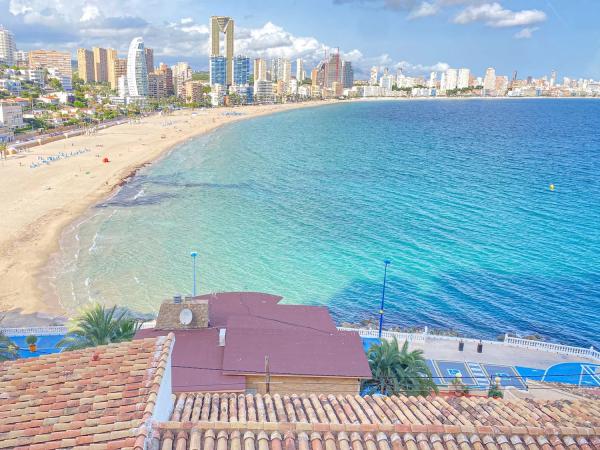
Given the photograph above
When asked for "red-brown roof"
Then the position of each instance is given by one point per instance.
(299, 340)
(96, 398)
(295, 351)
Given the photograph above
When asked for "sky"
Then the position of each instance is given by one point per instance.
(530, 36)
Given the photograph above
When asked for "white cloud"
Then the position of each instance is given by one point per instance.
(494, 15)
(526, 33)
(90, 12)
(425, 9)
(420, 69)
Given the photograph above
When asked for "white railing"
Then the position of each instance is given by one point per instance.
(36, 331)
(508, 341)
(551, 347)
(410, 337)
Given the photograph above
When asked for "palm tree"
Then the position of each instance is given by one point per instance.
(398, 371)
(8, 349)
(100, 326)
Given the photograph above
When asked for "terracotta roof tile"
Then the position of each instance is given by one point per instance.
(92, 398)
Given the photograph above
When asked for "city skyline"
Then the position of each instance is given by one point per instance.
(533, 38)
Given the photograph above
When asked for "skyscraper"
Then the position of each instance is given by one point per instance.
(137, 71)
(100, 65)
(50, 59)
(120, 70)
(241, 70)
(8, 47)
(149, 59)
(168, 73)
(182, 72)
(217, 70)
(464, 75)
(111, 57)
(85, 65)
(451, 79)
(299, 70)
(260, 69)
(374, 75)
(222, 25)
(333, 71)
(347, 75)
(489, 81)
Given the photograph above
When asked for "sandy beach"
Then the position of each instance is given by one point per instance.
(38, 203)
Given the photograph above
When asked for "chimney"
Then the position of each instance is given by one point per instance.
(176, 314)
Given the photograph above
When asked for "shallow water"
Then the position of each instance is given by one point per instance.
(308, 203)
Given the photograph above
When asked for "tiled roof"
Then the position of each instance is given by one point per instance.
(348, 409)
(439, 439)
(311, 422)
(96, 398)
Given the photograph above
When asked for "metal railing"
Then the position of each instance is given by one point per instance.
(35, 331)
(551, 347)
(423, 337)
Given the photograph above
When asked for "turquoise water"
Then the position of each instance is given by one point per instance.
(308, 203)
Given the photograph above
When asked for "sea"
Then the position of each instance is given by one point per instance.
(489, 211)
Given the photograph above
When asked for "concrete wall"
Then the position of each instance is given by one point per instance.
(298, 385)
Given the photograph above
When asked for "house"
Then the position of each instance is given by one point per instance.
(11, 115)
(98, 398)
(347, 422)
(249, 342)
(120, 396)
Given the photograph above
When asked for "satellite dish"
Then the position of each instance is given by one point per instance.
(185, 316)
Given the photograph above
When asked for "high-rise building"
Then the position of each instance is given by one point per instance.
(218, 70)
(222, 25)
(111, 57)
(464, 77)
(182, 72)
(489, 81)
(241, 70)
(299, 70)
(137, 71)
(149, 59)
(553, 78)
(260, 69)
(347, 75)
(8, 47)
(100, 67)
(450, 80)
(333, 70)
(432, 80)
(263, 92)
(22, 58)
(85, 65)
(194, 92)
(58, 62)
(119, 70)
(168, 73)
(374, 76)
(157, 85)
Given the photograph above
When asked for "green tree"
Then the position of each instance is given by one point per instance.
(398, 370)
(55, 84)
(8, 349)
(98, 325)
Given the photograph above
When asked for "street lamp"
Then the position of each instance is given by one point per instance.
(386, 262)
(194, 254)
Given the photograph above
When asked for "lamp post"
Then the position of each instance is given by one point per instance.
(193, 255)
(386, 262)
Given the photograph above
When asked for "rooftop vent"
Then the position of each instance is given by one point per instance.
(222, 332)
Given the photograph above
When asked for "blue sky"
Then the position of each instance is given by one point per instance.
(530, 36)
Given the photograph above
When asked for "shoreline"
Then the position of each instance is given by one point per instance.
(26, 297)
(41, 204)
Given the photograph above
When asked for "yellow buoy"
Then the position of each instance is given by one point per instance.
(551, 187)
